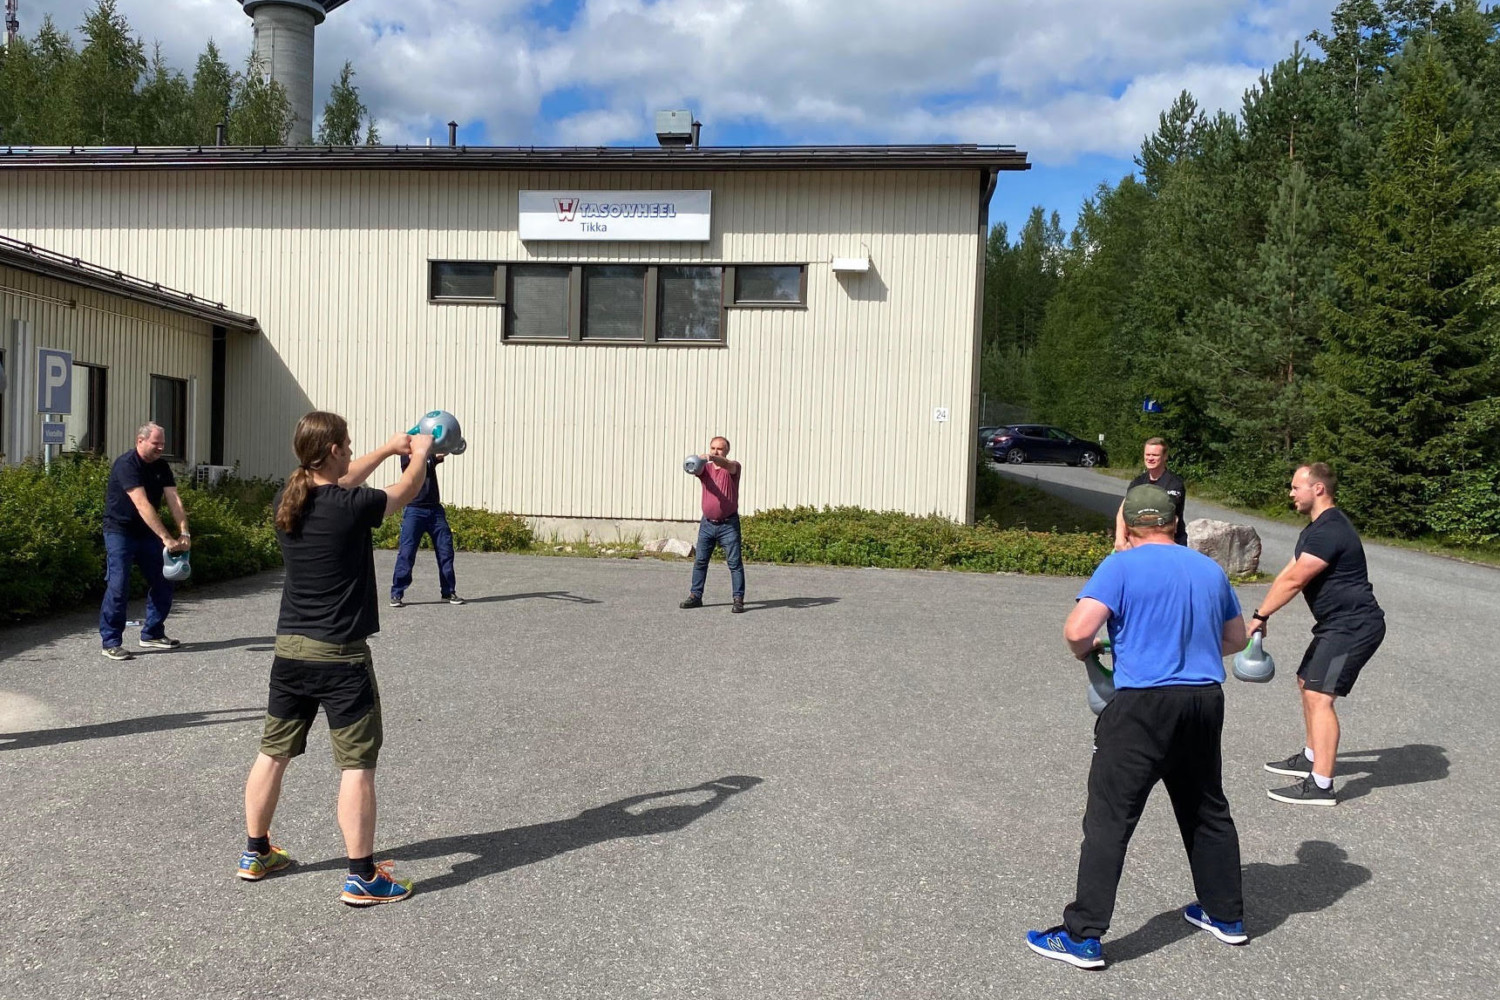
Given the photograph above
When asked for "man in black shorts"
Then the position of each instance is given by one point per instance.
(1329, 569)
(1154, 458)
(324, 517)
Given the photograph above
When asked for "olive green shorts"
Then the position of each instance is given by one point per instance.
(308, 674)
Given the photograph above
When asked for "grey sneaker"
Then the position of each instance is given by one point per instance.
(160, 642)
(1305, 793)
(116, 653)
(1297, 765)
(397, 602)
(453, 599)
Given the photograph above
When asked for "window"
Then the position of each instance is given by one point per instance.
(769, 284)
(169, 409)
(690, 303)
(85, 425)
(470, 281)
(614, 302)
(538, 301)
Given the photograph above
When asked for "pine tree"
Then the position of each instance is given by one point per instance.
(164, 113)
(212, 94)
(260, 113)
(103, 81)
(1408, 373)
(344, 113)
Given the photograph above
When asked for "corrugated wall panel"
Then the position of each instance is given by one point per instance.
(828, 404)
(131, 340)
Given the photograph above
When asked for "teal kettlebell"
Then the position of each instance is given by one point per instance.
(693, 465)
(1253, 663)
(447, 436)
(1101, 678)
(175, 566)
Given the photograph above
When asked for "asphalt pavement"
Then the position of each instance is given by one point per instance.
(870, 785)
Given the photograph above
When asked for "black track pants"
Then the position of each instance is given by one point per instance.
(1148, 735)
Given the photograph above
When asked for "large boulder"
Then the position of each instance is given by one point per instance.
(678, 547)
(1236, 547)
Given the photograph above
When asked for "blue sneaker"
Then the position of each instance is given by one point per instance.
(380, 889)
(1057, 943)
(1230, 932)
(254, 867)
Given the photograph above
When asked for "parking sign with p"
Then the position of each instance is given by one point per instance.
(54, 381)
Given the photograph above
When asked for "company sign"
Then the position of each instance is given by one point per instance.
(669, 216)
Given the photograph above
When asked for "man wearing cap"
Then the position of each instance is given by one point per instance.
(1154, 457)
(1172, 618)
(1328, 567)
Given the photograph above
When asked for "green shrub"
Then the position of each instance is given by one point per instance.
(852, 536)
(474, 530)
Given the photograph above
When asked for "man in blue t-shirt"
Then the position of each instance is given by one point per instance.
(425, 516)
(1172, 618)
(134, 533)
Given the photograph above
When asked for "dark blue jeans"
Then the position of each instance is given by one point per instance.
(120, 551)
(416, 522)
(726, 535)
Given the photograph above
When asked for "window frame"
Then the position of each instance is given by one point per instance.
(732, 291)
(97, 394)
(179, 387)
(497, 276)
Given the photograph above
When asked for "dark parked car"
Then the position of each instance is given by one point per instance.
(1041, 443)
(985, 433)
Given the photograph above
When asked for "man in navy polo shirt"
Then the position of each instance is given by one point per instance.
(134, 534)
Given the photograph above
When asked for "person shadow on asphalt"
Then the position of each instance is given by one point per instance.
(502, 850)
(1321, 876)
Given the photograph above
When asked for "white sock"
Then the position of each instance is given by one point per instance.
(1322, 782)
(1307, 752)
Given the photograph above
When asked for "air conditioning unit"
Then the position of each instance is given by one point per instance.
(210, 475)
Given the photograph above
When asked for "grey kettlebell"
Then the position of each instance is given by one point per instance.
(1253, 663)
(447, 435)
(693, 465)
(1101, 678)
(175, 566)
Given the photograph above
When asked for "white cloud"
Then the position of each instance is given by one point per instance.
(1057, 79)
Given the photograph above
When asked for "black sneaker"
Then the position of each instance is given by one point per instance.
(1297, 765)
(116, 653)
(693, 601)
(453, 599)
(1305, 793)
(739, 606)
(160, 642)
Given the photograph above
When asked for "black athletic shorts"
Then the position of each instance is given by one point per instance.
(343, 685)
(1335, 657)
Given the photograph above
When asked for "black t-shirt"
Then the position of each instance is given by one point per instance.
(427, 496)
(1341, 595)
(128, 473)
(1176, 489)
(329, 591)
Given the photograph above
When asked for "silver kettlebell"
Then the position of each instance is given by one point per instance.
(1253, 663)
(1101, 678)
(447, 435)
(175, 566)
(693, 465)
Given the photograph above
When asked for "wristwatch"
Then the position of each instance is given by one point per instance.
(1257, 616)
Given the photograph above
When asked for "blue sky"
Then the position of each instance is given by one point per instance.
(1076, 84)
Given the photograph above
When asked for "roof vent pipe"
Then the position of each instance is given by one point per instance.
(219, 138)
(697, 130)
(453, 133)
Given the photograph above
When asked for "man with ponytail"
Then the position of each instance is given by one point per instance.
(324, 519)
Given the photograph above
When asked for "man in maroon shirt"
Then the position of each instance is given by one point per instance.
(720, 524)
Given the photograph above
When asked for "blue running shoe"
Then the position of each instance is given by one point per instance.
(1057, 943)
(1230, 932)
(254, 867)
(380, 889)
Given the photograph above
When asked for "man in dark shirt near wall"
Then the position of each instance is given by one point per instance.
(1154, 457)
(425, 516)
(720, 524)
(1329, 568)
(134, 535)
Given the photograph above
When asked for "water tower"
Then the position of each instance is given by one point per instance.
(284, 46)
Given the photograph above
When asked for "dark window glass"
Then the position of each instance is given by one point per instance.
(462, 280)
(614, 302)
(774, 283)
(690, 303)
(539, 300)
(85, 425)
(169, 409)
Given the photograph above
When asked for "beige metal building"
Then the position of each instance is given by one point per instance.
(590, 315)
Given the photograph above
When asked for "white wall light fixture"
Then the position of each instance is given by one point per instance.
(850, 265)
